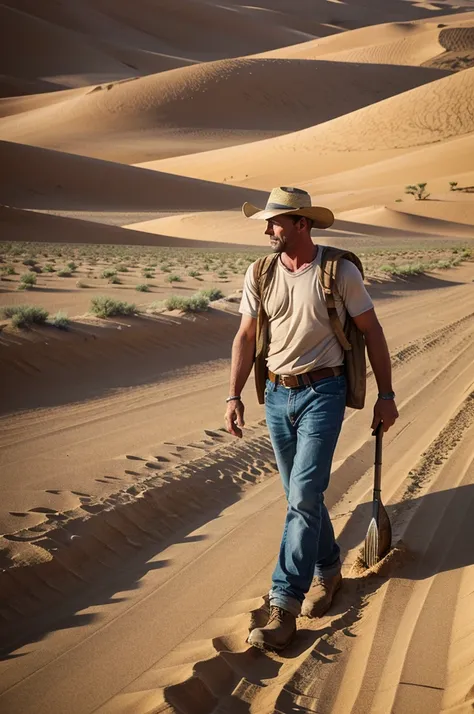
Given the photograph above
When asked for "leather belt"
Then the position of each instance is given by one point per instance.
(304, 380)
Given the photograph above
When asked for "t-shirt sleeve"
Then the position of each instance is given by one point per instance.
(250, 301)
(352, 290)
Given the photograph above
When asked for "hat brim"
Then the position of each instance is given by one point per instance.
(322, 217)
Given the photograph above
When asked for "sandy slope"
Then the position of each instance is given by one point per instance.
(27, 225)
(169, 113)
(438, 163)
(52, 54)
(368, 655)
(417, 221)
(402, 43)
(436, 112)
(42, 178)
(441, 218)
(101, 41)
(196, 31)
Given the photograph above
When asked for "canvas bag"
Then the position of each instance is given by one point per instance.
(350, 337)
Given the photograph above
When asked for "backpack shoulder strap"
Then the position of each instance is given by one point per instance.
(327, 276)
(263, 270)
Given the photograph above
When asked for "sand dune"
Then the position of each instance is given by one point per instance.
(203, 30)
(359, 13)
(26, 225)
(11, 106)
(456, 211)
(396, 42)
(438, 111)
(101, 41)
(416, 219)
(196, 29)
(413, 222)
(42, 178)
(168, 114)
(444, 43)
(439, 162)
(52, 53)
(17, 87)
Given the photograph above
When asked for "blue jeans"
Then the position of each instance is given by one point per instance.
(304, 425)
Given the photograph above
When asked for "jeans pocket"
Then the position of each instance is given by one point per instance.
(330, 386)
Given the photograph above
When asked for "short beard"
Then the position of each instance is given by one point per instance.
(279, 245)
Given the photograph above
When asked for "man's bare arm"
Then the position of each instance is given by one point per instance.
(243, 351)
(379, 357)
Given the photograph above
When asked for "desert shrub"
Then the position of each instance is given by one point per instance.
(121, 268)
(174, 279)
(222, 274)
(25, 315)
(212, 294)
(195, 303)
(165, 269)
(60, 320)
(194, 273)
(143, 288)
(64, 273)
(388, 268)
(8, 270)
(72, 265)
(115, 280)
(148, 273)
(418, 191)
(8, 311)
(103, 306)
(48, 268)
(27, 281)
(109, 273)
(29, 262)
(409, 269)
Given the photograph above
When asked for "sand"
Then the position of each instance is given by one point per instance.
(137, 537)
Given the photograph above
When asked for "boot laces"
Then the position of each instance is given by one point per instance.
(276, 613)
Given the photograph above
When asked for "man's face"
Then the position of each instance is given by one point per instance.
(283, 233)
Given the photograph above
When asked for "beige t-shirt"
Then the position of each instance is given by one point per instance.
(301, 337)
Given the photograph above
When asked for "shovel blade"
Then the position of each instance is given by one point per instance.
(378, 540)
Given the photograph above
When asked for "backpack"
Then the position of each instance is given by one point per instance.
(350, 337)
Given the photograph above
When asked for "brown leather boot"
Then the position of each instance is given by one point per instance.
(320, 596)
(259, 617)
(277, 633)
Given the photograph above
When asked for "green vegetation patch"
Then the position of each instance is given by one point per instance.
(25, 315)
(103, 306)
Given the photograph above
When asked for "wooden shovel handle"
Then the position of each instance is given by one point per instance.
(378, 458)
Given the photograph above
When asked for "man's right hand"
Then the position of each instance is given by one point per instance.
(234, 418)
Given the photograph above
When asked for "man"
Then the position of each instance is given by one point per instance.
(304, 420)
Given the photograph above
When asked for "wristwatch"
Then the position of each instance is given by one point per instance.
(387, 395)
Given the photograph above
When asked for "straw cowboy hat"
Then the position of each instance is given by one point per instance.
(290, 201)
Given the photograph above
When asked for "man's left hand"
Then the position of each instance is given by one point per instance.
(385, 410)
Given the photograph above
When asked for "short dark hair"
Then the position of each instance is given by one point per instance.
(295, 220)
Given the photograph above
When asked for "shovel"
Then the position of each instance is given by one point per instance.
(378, 540)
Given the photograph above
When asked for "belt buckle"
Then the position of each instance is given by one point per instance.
(283, 382)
